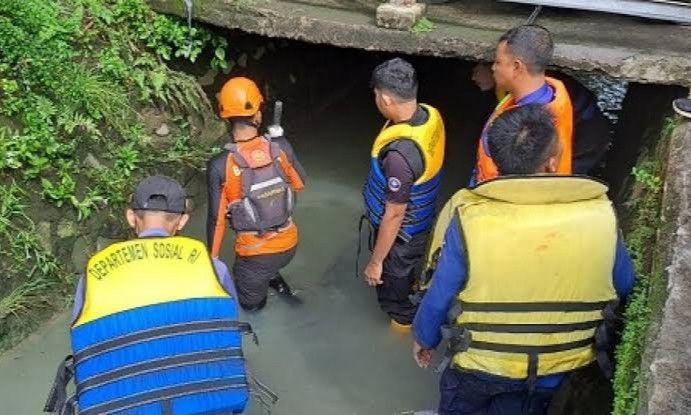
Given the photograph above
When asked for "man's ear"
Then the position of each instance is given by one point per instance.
(131, 218)
(518, 67)
(386, 99)
(183, 221)
(552, 164)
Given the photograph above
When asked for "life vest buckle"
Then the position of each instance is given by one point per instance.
(458, 340)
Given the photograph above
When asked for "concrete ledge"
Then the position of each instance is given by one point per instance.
(621, 47)
(668, 387)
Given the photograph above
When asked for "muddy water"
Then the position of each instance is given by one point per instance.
(332, 354)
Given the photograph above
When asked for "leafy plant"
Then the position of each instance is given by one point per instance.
(73, 76)
(422, 25)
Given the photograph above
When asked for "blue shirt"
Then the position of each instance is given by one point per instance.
(450, 278)
(543, 96)
(221, 271)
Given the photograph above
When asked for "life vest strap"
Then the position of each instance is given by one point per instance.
(159, 333)
(266, 397)
(532, 328)
(530, 349)
(163, 394)
(156, 365)
(57, 398)
(534, 307)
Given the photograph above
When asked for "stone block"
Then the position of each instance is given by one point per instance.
(103, 242)
(44, 235)
(67, 228)
(81, 251)
(399, 17)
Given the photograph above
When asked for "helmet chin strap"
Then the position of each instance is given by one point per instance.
(248, 123)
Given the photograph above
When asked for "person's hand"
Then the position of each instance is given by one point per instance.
(422, 356)
(372, 273)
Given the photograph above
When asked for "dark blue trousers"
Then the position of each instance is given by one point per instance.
(465, 393)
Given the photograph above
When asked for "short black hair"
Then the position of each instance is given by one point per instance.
(532, 44)
(521, 139)
(396, 76)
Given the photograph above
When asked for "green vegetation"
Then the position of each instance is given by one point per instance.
(74, 77)
(423, 25)
(644, 203)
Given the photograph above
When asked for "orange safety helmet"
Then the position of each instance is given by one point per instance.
(239, 97)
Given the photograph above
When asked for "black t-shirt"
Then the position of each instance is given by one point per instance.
(403, 163)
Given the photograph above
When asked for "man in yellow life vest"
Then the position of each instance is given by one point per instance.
(155, 325)
(402, 187)
(530, 268)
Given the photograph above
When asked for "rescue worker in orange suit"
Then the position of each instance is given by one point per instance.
(402, 187)
(591, 129)
(530, 271)
(251, 189)
(521, 58)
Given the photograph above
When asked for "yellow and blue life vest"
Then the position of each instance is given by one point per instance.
(429, 139)
(531, 305)
(157, 333)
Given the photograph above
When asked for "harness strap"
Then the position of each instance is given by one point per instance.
(167, 407)
(158, 333)
(192, 388)
(262, 388)
(57, 398)
(70, 406)
(535, 307)
(155, 365)
(416, 298)
(458, 339)
(363, 218)
(533, 364)
(532, 328)
(603, 336)
(454, 312)
(528, 349)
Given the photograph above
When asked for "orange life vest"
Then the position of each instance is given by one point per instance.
(256, 152)
(562, 110)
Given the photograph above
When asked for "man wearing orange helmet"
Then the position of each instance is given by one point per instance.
(251, 187)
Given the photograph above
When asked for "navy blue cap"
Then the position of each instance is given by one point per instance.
(159, 193)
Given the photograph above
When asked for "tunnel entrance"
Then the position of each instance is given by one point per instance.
(334, 353)
(327, 95)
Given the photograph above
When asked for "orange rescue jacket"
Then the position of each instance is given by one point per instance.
(251, 243)
(562, 110)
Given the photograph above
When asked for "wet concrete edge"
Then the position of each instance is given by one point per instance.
(667, 362)
(356, 29)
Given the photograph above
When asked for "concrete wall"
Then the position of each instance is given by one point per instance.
(622, 47)
(667, 362)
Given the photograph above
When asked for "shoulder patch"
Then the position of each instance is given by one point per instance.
(394, 184)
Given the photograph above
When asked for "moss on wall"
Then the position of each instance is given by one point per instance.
(640, 224)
